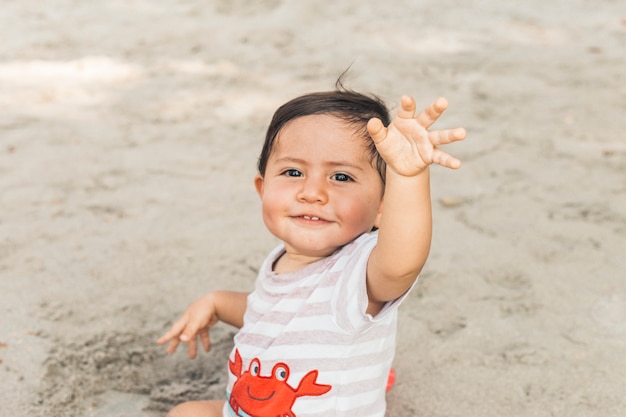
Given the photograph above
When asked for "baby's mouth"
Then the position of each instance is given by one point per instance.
(310, 219)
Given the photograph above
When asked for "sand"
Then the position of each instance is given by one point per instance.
(129, 132)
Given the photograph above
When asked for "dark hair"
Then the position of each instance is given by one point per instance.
(354, 108)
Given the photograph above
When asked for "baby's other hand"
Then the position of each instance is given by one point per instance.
(407, 146)
(195, 322)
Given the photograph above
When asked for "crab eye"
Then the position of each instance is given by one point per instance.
(280, 372)
(255, 367)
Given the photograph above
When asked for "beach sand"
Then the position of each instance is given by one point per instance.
(129, 132)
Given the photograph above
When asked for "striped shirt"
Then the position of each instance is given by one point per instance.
(307, 347)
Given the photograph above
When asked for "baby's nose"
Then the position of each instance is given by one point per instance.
(314, 190)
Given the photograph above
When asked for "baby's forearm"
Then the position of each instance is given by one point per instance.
(406, 223)
(230, 306)
(404, 235)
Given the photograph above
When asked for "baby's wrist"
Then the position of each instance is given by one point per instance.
(417, 173)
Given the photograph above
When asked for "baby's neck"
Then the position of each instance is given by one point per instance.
(287, 263)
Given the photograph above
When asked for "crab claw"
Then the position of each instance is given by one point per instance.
(309, 386)
(235, 367)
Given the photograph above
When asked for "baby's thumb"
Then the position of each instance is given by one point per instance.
(172, 332)
(188, 333)
(376, 129)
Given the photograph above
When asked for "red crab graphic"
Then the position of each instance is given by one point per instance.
(269, 396)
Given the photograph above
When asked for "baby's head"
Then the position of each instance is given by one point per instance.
(354, 108)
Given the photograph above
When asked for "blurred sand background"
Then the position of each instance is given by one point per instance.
(129, 132)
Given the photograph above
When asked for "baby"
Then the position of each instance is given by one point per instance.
(347, 192)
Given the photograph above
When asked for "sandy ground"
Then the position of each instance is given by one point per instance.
(129, 132)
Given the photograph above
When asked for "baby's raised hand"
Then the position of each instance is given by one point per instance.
(407, 146)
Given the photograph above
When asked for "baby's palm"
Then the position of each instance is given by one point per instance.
(407, 146)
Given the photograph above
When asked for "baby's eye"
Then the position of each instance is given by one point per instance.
(292, 173)
(342, 177)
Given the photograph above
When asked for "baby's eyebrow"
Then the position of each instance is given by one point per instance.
(290, 159)
(344, 164)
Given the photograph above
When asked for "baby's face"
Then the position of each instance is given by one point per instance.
(320, 189)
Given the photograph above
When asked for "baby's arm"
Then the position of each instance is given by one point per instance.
(404, 234)
(201, 315)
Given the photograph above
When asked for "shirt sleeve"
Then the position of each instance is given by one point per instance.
(350, 301)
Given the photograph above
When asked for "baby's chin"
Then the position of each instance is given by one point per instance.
(317, 250)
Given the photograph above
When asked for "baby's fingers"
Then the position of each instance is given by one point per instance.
(430, 114)
(193, 348)
(445, 160)
(205, 339)
(189, 335)
(407, 107)
(171, 348)
(174, 331)
(445, 136)
(377, 130)
(193, 342)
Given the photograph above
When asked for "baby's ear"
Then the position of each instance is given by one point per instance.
(379, 215)
(258, 184)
